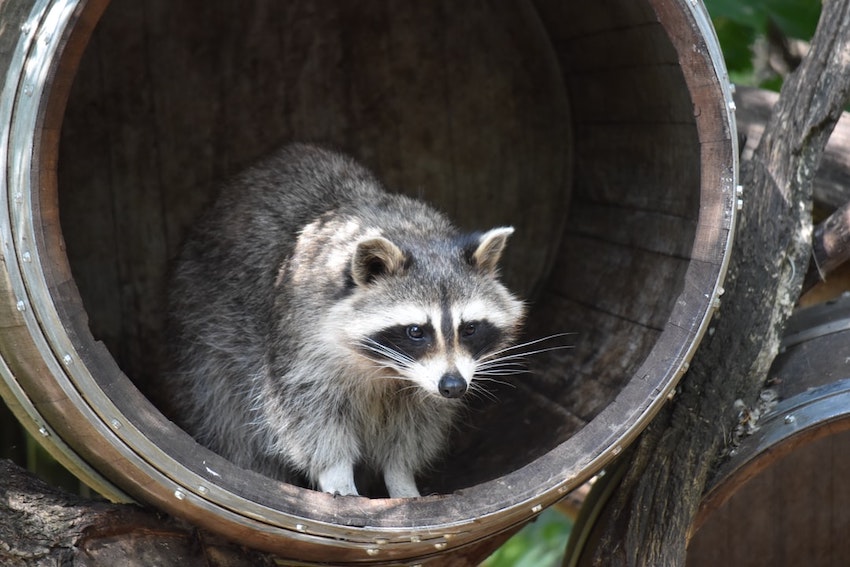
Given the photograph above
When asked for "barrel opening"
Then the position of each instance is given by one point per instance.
(593, 129)
(182, 106)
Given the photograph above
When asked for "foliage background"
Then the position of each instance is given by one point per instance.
(762, 40)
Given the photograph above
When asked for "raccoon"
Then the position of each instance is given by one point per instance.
(317, 322)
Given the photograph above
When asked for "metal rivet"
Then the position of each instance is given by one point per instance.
(115, 424)
(28, 89)
(381, 541)
(732, 105)
(372, 551)
(536, 509)
(67, 359)
(25, 29)
(179, 495)
(301, 527)
(562, 490)
(789, 419)
(440, 545)
(21, 306)
(617, 450)
(44, 432)
(415, 539)
(203, 489)
(27, 257)
(740, 204)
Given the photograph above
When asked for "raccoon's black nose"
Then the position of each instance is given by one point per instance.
(452, 386)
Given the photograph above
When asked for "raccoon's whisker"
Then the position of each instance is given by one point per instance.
(501, 372)
(395, 377)
(383, 350)
(500, 363)
(522, 355)
(519, 363)
(385, 361)
(507, 359)
(387, 352)
(417, 391)
(379, 348)
(495, 381)
(515, 363)
(529, 343)
(479, 392)
(387, 365)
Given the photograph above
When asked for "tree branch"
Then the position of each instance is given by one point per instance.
(43, 526)
(830, 247)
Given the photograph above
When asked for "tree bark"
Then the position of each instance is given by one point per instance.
(43, 526)
(647, 521)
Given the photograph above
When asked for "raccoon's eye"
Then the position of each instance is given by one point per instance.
(468, 329)
(415, 332)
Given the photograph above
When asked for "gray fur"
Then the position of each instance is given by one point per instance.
(266, 305)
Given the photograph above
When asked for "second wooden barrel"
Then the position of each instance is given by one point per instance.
(782, 497)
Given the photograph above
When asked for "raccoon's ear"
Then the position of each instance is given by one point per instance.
(491, 244)
(375, 257)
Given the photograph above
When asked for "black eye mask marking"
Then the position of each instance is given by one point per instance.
(413, 341)
(478, 337)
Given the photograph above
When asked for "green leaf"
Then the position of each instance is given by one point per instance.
(539, 544)
(745, 13)
(795, 18)
(736, 42)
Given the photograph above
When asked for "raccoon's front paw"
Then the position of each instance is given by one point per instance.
(338, 479)
(400, 482)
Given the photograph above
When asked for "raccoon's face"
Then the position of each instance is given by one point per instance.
(440, 347)
(432, 319)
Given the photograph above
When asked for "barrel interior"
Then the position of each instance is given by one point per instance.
(571, 121)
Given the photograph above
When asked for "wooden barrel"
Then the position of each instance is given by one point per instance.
(782, 498)
(602, 131)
